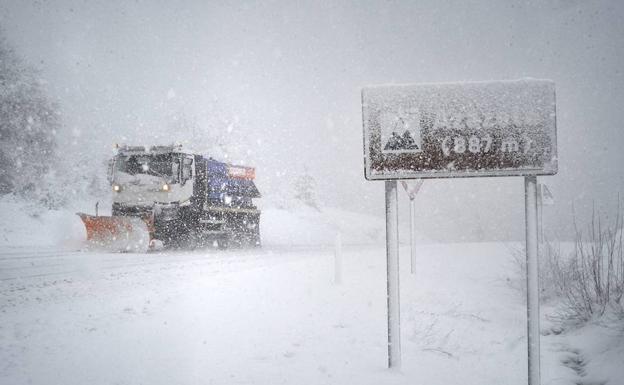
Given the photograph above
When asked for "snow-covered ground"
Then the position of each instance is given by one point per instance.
(275, 315)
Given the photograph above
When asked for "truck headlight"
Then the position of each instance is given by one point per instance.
(116, 188)
(165, 187)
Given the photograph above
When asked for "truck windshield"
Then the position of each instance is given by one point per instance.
(162, 165)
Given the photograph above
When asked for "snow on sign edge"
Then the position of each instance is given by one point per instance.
(533, 100)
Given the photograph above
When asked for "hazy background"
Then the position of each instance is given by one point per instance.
(281, 81)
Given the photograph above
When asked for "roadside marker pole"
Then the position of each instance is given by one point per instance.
(338, 259)
(540, 214)
(532, 273)
(392, 271)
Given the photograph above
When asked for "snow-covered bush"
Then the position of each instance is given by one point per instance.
(587, 281)
(591, 280)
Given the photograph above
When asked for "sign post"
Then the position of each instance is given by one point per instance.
(540, 214)
(451, 130)
(392, 271)
(412, 236)
(530, 206)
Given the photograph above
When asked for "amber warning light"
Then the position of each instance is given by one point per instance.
(240, 172)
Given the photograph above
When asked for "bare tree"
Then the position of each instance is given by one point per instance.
(29, 122)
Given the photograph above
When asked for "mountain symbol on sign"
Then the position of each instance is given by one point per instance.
(403, 142)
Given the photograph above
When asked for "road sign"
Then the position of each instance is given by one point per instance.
(547, 198)
(412, 187)
(502, 128)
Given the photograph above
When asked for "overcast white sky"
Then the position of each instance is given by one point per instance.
(289, 74)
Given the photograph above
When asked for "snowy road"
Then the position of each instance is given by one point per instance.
(261, 316)
(25, 264)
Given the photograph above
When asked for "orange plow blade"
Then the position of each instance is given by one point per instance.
(119, 233)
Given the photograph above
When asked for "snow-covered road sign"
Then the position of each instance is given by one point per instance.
(412, 187)
(546, 197)
(498, 128)
(502, 128)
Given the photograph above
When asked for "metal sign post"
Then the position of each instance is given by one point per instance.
(530, 205)
(412, 236)
(540, 215)
(392, 272)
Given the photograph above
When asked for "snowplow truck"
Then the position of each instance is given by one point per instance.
(179, 198)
